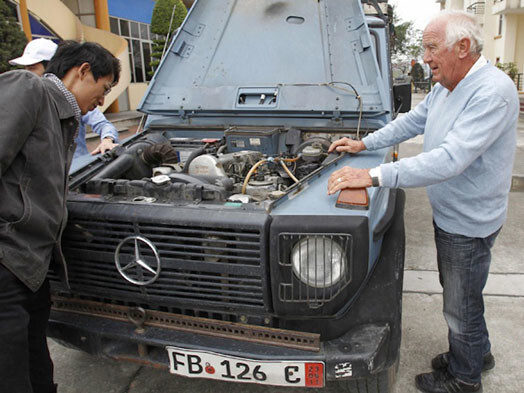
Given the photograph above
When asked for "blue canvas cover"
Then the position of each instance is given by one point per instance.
(273, 58)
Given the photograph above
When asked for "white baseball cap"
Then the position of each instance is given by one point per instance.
(36, 51)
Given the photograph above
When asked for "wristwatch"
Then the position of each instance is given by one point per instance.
(374, 173)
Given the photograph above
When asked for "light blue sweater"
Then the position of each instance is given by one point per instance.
(469, 146)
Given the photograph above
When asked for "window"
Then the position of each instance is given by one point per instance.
(13, 11)
(124, 28)
(85, 10)
(146, 50)
(501, 22)
(138, 63)
(134, 30)
(144, 31)
(113, 25)
(38, 28)
(138, 36)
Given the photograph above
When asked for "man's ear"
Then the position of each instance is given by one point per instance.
(84, 70)
(463, 46)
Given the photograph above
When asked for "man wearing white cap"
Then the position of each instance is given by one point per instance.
(37, 54)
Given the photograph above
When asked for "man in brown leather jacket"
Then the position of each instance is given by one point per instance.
(38, 121)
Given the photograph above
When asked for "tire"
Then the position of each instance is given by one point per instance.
(382, 382)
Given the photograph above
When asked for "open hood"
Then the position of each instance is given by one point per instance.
(258, 58)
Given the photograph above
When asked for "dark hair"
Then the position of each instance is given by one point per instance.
(73, 54)
(45, 63)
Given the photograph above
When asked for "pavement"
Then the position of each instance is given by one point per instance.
(424, 329)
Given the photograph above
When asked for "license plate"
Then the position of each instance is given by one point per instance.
(203, 364)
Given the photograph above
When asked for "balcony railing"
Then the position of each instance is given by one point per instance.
(519, 79)
(477, 8)
(507, 7)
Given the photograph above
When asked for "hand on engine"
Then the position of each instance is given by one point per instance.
(105, 145)
(347, 145)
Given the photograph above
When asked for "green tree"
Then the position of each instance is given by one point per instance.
(406, 43)
(160, 23)
(417, 72)
(510, 69)
(12, 39)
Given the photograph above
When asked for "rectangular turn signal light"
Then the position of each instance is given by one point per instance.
(353, 198)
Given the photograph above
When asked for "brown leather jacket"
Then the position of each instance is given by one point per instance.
(37, 128)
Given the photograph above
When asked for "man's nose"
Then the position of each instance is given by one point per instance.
(101, 101)
(427, 56)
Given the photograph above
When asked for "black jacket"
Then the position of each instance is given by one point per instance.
(37, 128)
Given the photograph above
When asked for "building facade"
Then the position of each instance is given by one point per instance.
(129, 20)
(503, 29)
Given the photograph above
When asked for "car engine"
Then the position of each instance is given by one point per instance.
(235, 168)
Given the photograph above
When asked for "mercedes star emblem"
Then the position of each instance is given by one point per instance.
(138, 269)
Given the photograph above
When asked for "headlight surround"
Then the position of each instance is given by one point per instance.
(318, 261)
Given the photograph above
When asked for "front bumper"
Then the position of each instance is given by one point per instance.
(359, 353)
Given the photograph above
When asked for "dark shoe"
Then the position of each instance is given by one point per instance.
(440, 362)
(443, 382)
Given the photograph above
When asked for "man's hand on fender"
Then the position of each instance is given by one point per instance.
(348, 177)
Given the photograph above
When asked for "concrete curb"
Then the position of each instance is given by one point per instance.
(499, 284)
(517, 183)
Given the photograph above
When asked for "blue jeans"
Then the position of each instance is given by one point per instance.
(463, 264)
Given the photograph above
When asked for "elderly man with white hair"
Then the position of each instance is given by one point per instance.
(469, 122)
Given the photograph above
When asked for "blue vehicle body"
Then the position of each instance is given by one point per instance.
(220, 205)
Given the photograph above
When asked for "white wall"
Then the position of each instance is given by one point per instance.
(136, 91)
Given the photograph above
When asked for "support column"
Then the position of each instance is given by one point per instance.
(102, 23)
(25, 20)
(101, 14)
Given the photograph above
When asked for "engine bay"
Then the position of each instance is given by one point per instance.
(243, 166)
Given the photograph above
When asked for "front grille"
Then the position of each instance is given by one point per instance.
(204, 267)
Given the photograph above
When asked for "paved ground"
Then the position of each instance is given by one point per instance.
(424, 330)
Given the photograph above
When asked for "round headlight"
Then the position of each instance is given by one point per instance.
(318, 261)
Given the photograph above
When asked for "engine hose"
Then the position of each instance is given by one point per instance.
(125, 162)
(291, 159)
(254, 168)
(194, 154)
(221, 149)
(131, 161)
(117, 168)
(158, 154)
(288, 171)
(250, 173)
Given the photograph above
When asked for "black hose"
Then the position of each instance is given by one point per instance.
(160, 153)
(131, 160)
(194, 154)
(116, 169)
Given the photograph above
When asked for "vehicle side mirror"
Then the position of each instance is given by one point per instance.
(402, 97)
